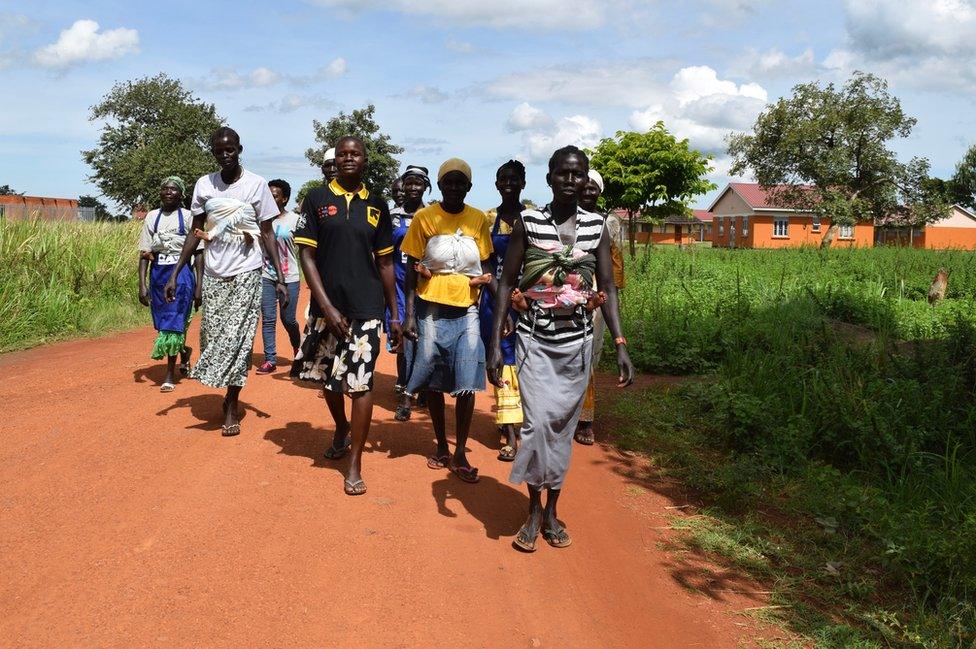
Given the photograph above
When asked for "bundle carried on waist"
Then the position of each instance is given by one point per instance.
(557, 276)
(226, 216)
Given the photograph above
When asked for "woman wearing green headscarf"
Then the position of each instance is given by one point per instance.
(163, 234)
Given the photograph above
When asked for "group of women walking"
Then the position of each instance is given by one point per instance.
(461, 295)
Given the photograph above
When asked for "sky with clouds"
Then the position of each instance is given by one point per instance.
(486, 80)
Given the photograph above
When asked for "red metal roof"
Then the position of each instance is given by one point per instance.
(703, 215)
(758, 197)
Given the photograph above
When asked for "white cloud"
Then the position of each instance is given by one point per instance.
(426, 94)
(336, 68)
(526, 117)
(460, 47)
(775, 64)
(526, 14)
(228, 79)
(921, 43)
(292, 102)
(84, 41)
(704, 108)
(541, 134)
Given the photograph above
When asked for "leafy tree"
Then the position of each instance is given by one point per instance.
(306, 188)
(7, 190)
(153, 128)
(650, 175)
(963, 183)
(382, 168)
(825, 150)
(101, 212)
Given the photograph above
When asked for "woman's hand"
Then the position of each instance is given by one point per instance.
(409, 328)
(170, 290)
(519, 301)
(144, 296)
(422, 270)
(202, 234)
(494, 366)
(596, 301)
(396, 336)
(480, 280)
(625, 366)
(282, 292)
(336, 323)
(508, 327)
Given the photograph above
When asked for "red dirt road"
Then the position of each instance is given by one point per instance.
(127, 521)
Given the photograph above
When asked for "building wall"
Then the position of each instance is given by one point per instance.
(942, 238)
(17, 208)
(755, 230)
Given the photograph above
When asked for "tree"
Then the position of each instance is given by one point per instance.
(100, 213)
(153, 128)
(963, 184)
(825, 151)
(306, 188)
(7, 190)
(650, 175)
(382, 168)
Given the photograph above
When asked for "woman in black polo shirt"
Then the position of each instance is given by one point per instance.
(345, 239)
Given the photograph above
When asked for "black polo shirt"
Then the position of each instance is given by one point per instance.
(348, 230)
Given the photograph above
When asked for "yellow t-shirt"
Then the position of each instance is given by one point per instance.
(452, 289)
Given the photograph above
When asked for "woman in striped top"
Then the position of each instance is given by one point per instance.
(557, 250)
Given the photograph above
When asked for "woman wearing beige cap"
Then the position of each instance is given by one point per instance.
(447, 246)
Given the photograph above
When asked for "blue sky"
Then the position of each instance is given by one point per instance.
(486, 80)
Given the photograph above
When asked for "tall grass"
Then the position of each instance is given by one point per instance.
(65, 279)
(831, 377)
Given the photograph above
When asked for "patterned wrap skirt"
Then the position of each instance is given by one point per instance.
(231, 310)
(552, 380)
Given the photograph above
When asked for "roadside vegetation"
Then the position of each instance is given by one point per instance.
(830, 434)
(66, 279)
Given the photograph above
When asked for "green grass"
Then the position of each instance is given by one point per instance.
(66, 279)
(832, 437)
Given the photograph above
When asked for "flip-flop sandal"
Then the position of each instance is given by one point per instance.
(557, 538)
(230, 431)
(523, 542)
(402, 413)
(507, 453)
(438, 461)
(167, 387)
(333, 453)
(467, 474)
(357, 488)
(585, 437)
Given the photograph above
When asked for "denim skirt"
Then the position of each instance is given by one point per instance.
(449, 355)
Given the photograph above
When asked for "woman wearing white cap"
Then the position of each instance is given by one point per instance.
(329, 169)
(447, 245)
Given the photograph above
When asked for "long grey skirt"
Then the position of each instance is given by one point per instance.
(552, 380)
(231, 308)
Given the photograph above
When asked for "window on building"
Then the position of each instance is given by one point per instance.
(745, 226)
(847, 232)
(721, 225)
(816, 223)
(781, 226)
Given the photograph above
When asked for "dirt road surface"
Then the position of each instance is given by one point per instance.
(126, 520)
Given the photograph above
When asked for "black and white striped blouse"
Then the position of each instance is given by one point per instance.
(569, 324)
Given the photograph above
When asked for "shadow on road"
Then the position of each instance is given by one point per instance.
(207, 408)
(500, 508)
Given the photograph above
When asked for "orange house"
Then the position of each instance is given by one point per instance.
(746, 216)
(20, 208)
(956, 231)
(674, 230)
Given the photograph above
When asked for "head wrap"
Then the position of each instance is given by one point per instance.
(454, 164)
(597, 178)
(174, 180)
(329, 155)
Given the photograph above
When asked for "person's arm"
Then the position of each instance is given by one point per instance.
(198, 270)
(271, 250)
(384, 263)
(143, 269)
(189, 247)
(611, 310)
(514, 257)
(334, 320)
(409, 327)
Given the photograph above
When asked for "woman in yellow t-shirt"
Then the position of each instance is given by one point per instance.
(447, 247)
